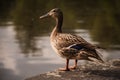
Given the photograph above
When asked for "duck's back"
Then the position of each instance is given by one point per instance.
(62, 40)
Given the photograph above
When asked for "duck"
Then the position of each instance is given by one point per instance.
(70, 46)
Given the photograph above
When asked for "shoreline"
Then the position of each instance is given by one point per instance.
(91, 71)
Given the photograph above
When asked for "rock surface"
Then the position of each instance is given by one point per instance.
(92, 71)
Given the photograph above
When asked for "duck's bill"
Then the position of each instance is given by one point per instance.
(46, 15)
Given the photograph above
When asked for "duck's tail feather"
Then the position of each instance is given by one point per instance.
(91, 55)
(98, 56)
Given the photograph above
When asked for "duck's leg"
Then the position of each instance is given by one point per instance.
(66, 67)
(75, 65)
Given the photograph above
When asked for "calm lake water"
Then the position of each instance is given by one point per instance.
(16, 65)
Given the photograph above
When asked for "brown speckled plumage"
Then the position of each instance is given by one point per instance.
(70, 46)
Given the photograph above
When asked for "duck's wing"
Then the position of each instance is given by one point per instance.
(76, 51)
(69, 40)
(73, 46)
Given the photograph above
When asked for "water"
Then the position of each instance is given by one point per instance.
(16, 65)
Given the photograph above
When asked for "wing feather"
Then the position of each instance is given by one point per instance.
(66, 40)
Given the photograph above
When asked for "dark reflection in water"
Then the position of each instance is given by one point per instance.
(99, 16)
(24, 41)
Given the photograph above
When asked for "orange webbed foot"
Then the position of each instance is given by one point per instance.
(64, 69)
(73, 67)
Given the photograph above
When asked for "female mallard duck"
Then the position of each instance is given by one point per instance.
(70, 46)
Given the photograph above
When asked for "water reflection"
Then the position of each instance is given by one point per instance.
(7, 61)
(97, 16)
(26, 39)
(15, 65)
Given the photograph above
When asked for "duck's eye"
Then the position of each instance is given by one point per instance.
(54, 11)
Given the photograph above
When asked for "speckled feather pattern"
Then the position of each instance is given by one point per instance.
(63, 42)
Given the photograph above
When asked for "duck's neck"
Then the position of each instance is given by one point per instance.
(59, 21)
(58, 26)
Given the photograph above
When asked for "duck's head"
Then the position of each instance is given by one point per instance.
(55, 13)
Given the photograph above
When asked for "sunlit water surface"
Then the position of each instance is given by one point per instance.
(15, 65)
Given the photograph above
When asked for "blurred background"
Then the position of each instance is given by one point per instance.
(25, 49)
